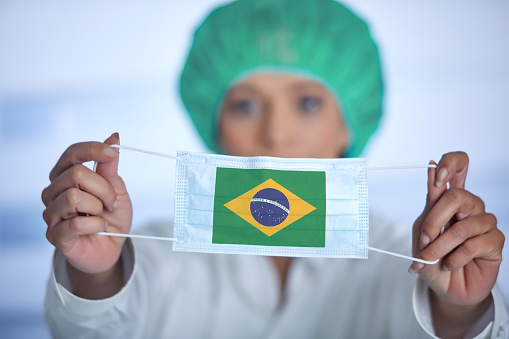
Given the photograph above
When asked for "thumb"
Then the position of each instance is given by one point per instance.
(108, 170)
(434, 192)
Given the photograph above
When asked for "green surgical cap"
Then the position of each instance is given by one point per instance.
(320, 39)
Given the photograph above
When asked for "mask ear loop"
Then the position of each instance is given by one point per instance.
(124, 235)
(392, 253)
(175, 239)
(403, 256)
(145, 151)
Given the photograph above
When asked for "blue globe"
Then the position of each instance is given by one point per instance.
(270, 207)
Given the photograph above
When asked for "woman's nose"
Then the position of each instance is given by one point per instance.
(279, 128)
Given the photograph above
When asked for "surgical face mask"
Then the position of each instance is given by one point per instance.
(271, 206)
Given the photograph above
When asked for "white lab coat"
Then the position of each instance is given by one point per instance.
(194, 295)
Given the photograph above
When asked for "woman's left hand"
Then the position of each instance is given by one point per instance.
(470, 248)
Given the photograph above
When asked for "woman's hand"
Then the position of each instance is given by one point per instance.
(470, 248)
(79, 203)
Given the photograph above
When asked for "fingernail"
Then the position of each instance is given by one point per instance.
(418, 266)
(116, 135)
(424, 241)
(105, 225)
(110, 152)
(441, 176)
(115, 205)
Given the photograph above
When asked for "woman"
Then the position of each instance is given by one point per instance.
(283, 79)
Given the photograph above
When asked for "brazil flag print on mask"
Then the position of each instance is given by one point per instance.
(271, 206)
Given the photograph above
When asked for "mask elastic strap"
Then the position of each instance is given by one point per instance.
(141, 151)
(123, 235)
(392, 253)
(175, 239)
(164, 155)
(138, 236)
(144, 151)
(399, 167)
(404, 256)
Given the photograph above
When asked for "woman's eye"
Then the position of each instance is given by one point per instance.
(245, 107)
(309, 104)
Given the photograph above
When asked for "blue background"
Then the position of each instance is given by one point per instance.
(76, 71)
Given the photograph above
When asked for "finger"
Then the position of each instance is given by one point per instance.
(487, 246)
(434, 192)
(457, 234)
(83, 152)
(433, 195)
(108, 170)
(452, 168)
(68, 204)
(82, 178)
(454, 203)
(67, 231)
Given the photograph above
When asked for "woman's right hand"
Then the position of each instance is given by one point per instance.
(80, 203)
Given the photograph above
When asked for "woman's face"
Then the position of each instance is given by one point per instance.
(281, 116)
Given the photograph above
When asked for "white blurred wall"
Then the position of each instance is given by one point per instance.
(77, 71)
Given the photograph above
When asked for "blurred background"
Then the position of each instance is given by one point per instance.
(79, 71)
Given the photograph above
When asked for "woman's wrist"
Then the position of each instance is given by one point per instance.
(96, 286)
(454, 321)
